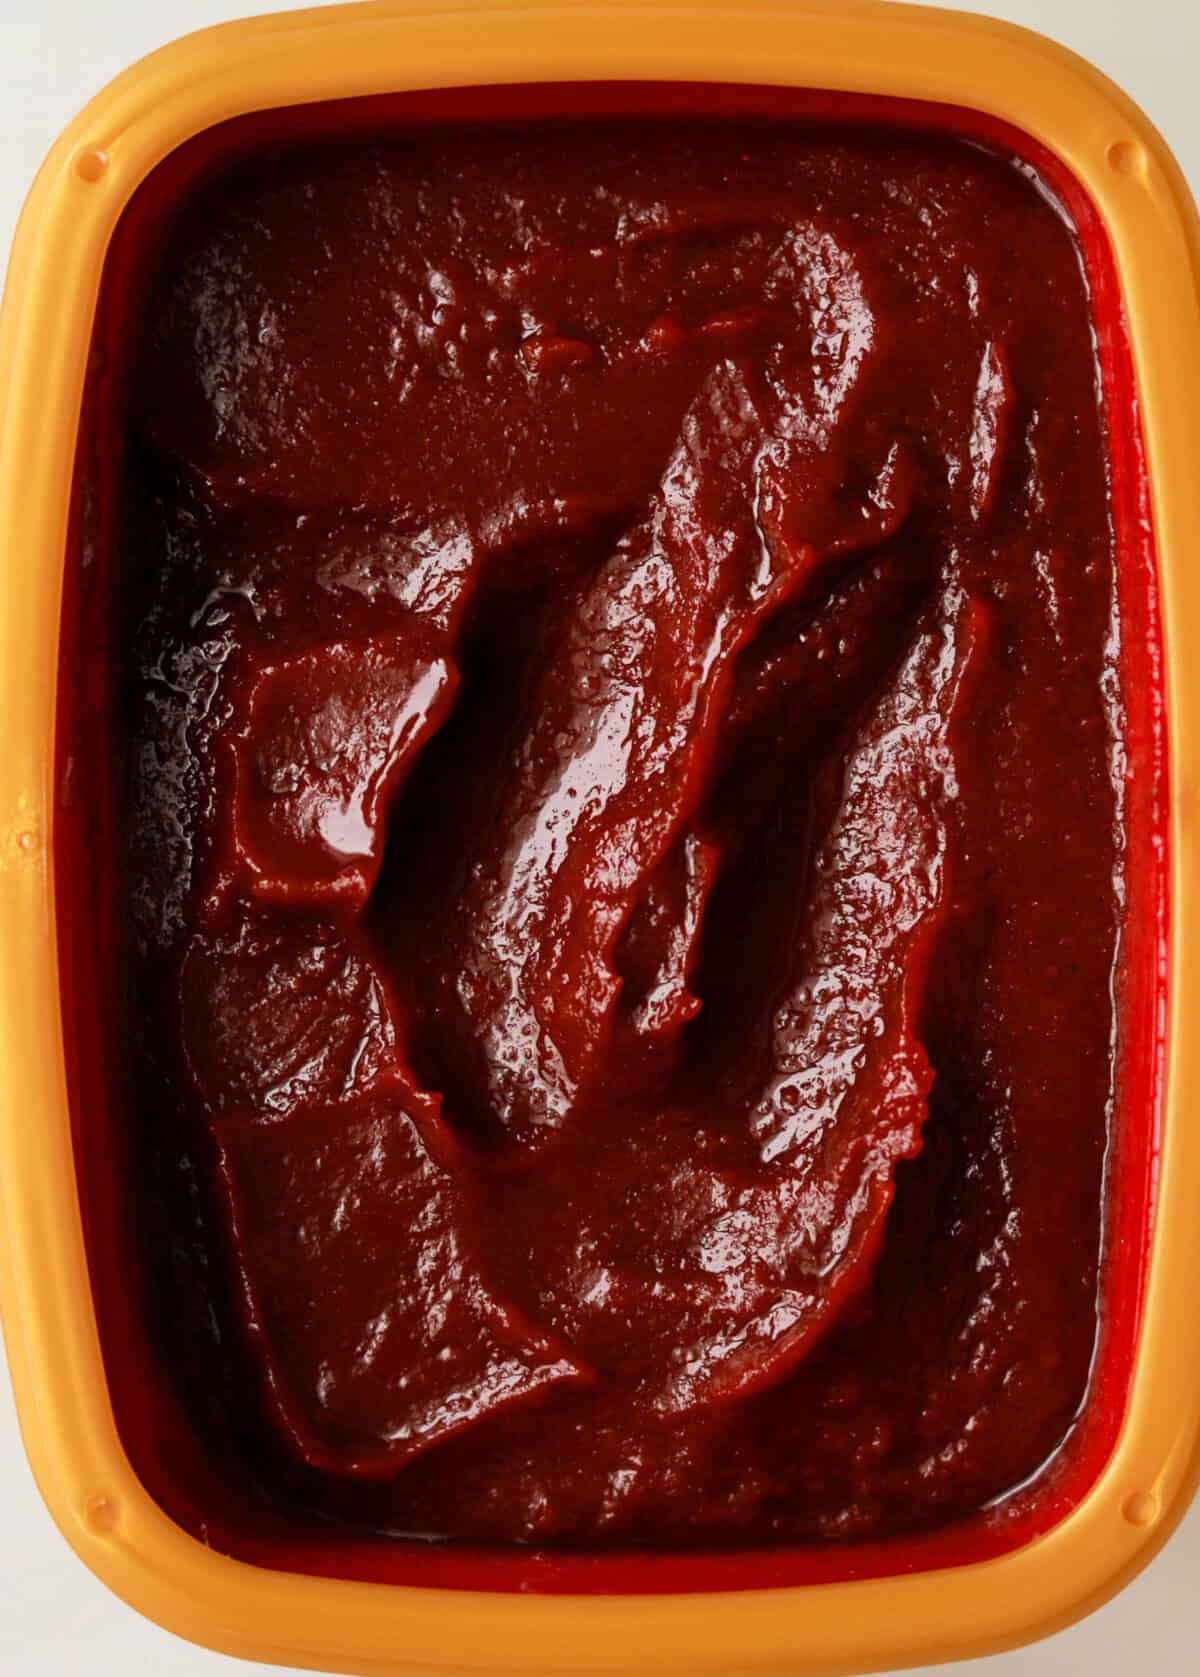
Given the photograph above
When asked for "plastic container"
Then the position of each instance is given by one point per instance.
(117, 1482)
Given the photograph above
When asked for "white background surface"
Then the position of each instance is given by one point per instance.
(55, 1619)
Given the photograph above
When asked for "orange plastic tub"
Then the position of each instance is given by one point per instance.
(115, 1467)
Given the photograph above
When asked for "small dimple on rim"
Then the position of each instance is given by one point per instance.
(100, 1514)
(91, 163)
(1126, 157)
(1141, 1509)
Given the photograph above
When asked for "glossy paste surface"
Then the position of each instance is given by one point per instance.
(625, 844)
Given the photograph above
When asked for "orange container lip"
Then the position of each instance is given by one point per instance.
(855, 47)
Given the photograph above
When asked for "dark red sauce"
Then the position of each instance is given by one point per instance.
(625, 830)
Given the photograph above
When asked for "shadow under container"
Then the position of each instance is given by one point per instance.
(112, 1458)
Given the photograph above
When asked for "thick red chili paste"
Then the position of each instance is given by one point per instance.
(625, 840)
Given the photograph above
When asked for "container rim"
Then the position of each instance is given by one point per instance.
(840, 46)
